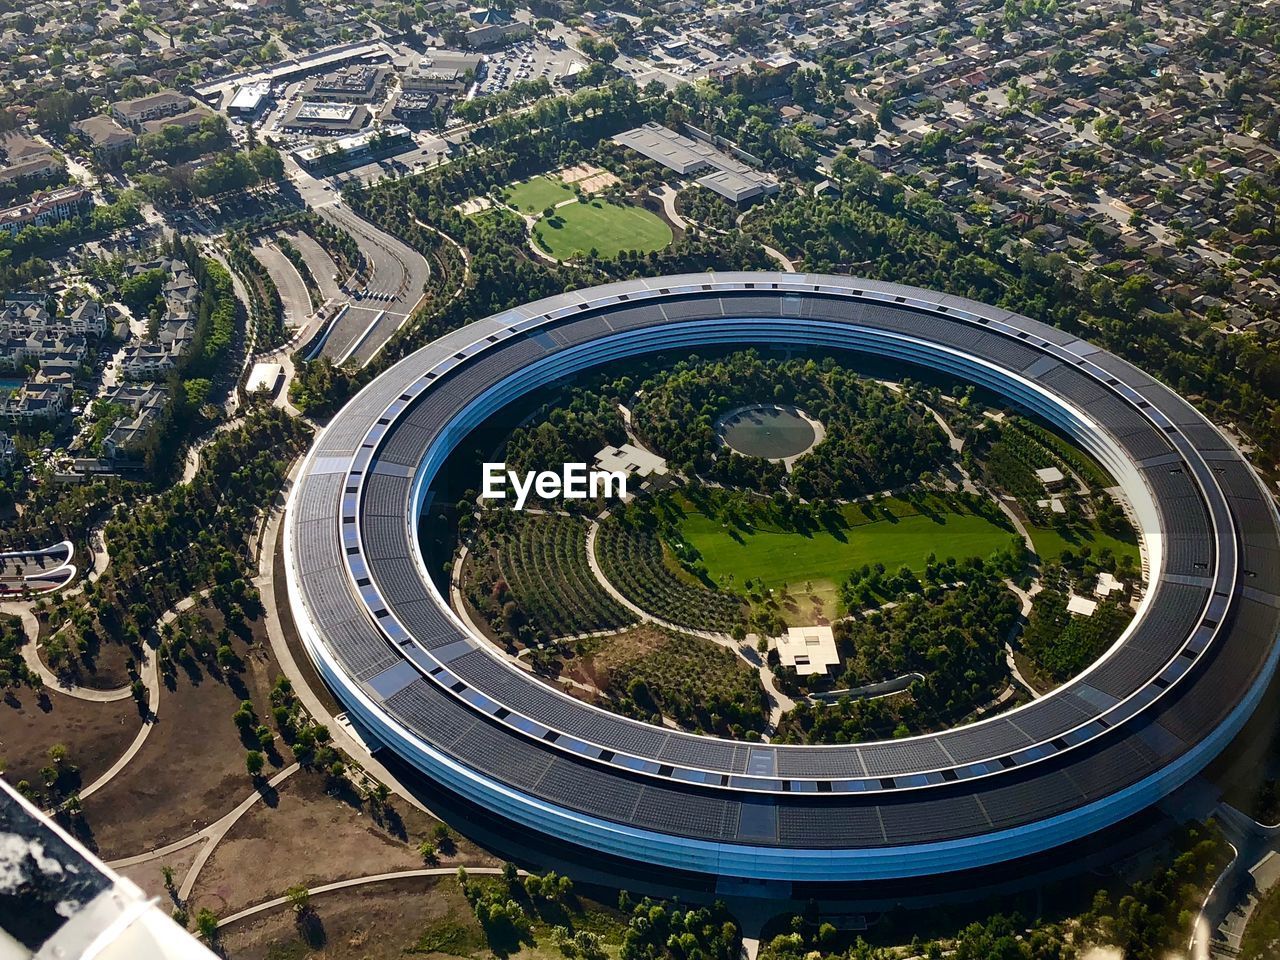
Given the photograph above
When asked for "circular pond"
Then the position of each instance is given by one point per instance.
(770, 431)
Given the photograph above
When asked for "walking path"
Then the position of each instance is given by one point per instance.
(360, 882)
(780, 257)
(778, 702)
(667, 195)
(150, 678)
(211, 836)
(1025, 599)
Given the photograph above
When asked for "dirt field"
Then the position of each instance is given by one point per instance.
(149, 875)
(588, 177)
(428, 917)
(191, 769)
(364, 923)
(96, 734)
(469, 208)
(311, 837)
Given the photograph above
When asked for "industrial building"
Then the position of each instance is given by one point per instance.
(357, 147)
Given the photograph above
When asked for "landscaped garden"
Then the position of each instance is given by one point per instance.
(528, 577)
(600, 226)
(637, 562)
(802, 556)
(650, 673)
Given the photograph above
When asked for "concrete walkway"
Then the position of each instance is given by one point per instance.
(149, 675)
(211, 836)
(780, 257)
(360, 882)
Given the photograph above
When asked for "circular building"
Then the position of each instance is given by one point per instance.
(1146, 717)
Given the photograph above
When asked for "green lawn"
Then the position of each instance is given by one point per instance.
(608, 228)
(824, 559)
(1050, 543)
(535, 195)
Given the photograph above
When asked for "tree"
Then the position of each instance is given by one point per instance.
(299, 898)
(207, 924)
(254, 762)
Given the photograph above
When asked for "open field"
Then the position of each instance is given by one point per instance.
(275, 845)
(411, 917)
(191, 769)
(1050, 543)
(894, 534)
(95, 734)
(607, 228)
(538, 193)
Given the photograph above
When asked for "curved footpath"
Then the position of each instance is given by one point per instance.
(363, 881)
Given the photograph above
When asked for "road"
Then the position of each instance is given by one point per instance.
(322, 268)
(397, 278)
(294, 296)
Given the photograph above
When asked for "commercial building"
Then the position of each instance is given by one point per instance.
(437, 71)
(361, 145)
(353, 83)
(325, 118)
(1188, 673)
(494, 28)
(249, 101)
(736, 181)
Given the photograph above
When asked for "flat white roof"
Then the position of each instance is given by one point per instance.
(264, 376)
(808, 650)
(630, 459)
(249, 97)
(1107, 585)
(1081, 606)
(1049, 475)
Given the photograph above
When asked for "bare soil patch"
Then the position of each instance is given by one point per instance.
(191, 769)
(363, 923)
(588, 177)
(96, 734)
(311, 837)
(149, 875)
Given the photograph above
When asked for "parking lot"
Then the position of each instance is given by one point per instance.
(530, 59)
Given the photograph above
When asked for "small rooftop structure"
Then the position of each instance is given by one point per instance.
(1053, 505)
(1050, 476)
(1107, 585)
(808, 650)
(1081, 606)
(249, 99)
(264, 376)
(632, 460)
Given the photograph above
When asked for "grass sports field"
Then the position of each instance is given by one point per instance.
(824, 559)
(535, 195)
(608, 228)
